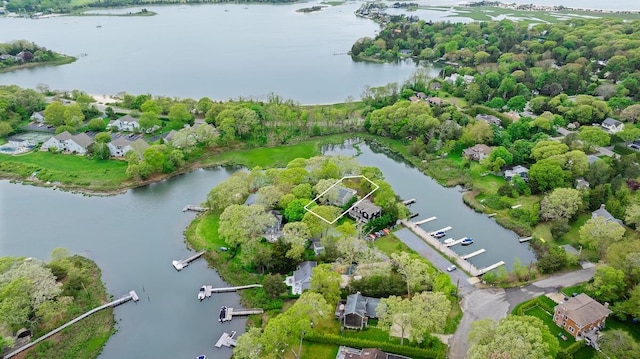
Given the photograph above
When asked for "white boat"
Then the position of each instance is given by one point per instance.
(201, 293)
(449, 240)
(467, 241)
(201, 357)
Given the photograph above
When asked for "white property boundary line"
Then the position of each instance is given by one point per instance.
(313, 201)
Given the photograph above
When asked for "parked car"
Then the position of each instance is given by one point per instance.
(451, 268)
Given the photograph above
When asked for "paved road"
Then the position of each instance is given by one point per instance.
(494, 303)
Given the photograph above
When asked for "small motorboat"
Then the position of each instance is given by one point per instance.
(233, 334)
(467, 241)
(201, 357)
(439, 234)
(223, 314)
(201, 293)
(449, 240)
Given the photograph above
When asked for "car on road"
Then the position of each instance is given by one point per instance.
(451, 268)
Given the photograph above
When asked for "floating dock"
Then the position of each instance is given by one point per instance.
(414, 215)
(209, 290)
(486, 269)
(457, 241)
(491, 215)
(471, 255)
(445, 229)
(131, 296)
(230, 313)
(228, 340)
(409, 201)
(193, 208)
(180, 264)
(426, 220)
(525, 239)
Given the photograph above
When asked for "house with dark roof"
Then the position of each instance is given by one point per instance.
(356, 311)
(612, 126)
(251, 199)
(435, 101)
(301, 278)
(490, 119)
(602, 212)
(121, 145)
(518, 170)
(477, 152)
(580, 315)
(125, 123)
(365, 210)
(273, 231)
(365, 353)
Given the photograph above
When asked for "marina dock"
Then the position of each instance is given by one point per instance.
(457, 241)
(445, 229)
(471, 255)
(193, 208)
(486, 269)
(426, 220)
(229, 313)
(131, 296)
(409, 201)
(180, 264)
(208, 290)
(228, 340)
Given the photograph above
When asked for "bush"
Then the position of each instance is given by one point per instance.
(437, 352)
(559, 228)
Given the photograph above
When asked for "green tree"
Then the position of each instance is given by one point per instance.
(512, 337)
(600, 233)
(477, 132)
(148, 120)
(414, 270)
(562, 203)
(151, 106)
(546, 174)
(268, 196)
(100, 150)
(296, 234)
(234, 190)
(608, 284)
(249, 345)
(295, 210)
(517, 103)
(424, 313)
(179, 114)
(498, 158)
(97, 124)
(73, 115)
(547, 148)
(241, 225)
(317, 221)
(632, 216)
(326, 282)
(54, 114)
(594, 136)
(630, 114)
(618, 344)
(103, 137)
(273, 285)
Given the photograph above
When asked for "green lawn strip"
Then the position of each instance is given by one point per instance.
(317, 350)
(547, 318)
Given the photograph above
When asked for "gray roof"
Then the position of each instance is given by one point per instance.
(250, 200)
(345, 194)
(611, 122)
(63, 136)
(584, 310)
(82, 139)
(602, 212)
(120, 141)
(361, 305)
(128, 118)
(367, 206)
(139, 145)
(592, 158)
(303, 273)
(516, 170)
(169, 135)
(489, 119)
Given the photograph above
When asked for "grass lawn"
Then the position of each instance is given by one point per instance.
(205, 232)
(68, 169)
(547, 318)
(317, 350)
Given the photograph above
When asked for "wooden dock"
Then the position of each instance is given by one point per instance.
(525, 239)
(209, 290)
(486, 269)
(241, 312)
(457, 241)
(194, 208)
(228, 340)
(471, 255)
(491, 215)
(445, 229)
(182, 263)
(409, 201)
(414, 215)
(426, 220)
(131, 296)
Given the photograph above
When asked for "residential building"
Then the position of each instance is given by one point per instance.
(581, 183)
(435, 101)
(490, 119)
(518, 170)
(435, 86)
(301, 278)
(580, 314)
(365, 210)
(344, 196)
(612, 126)
(125, 123)
(250, 200)
(38, 117)
(56, 142)
(356, 311)
(602, 212)
(365, 353)
(66, 142)
(121, 145)
(274, 231)
(477, 152)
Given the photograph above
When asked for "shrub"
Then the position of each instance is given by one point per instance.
(559, 228)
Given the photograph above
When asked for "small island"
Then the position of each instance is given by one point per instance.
(22, 54)
(310, 9)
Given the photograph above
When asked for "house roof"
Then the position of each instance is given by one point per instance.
(139, 145)
(592, 158)
(584, 310)
(602, 212)
(367, 206)
(250, 200)
(611, 122)
(581, 183)
(120, 141)
(82, 139)
(361, 305)
(169, 135)
(63, 136)
(479, 148)
(345, 194)
(516, 170)
(128, 118)
(303, 273)
(489, 119)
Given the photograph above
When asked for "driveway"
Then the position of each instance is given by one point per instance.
(494, 303)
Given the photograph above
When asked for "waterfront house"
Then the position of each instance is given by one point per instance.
(344, 196)
(78, 143)
(580, 315)
(273, 231)
(477, 152)
(301, 278)
(125, 123)
(56, 142)
(121, 145)
(435, 101)
(612, 126)
(364, 211)
(518, 170)
(356, 311)
(602, 212)
(37, 117)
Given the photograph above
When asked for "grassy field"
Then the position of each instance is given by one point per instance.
(547, 318)
(60, 61)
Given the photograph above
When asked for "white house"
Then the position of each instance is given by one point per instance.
(518, 170)
(38, 116)
(121, 145)
(67, 142)
(612, 126)
(301, 278)
(125, 123)
(57, 142)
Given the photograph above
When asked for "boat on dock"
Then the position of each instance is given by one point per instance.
(467, 241)
(223, 314)
(449, 240)
(202, 293)
(439, 234)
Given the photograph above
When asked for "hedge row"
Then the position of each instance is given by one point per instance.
(568, 352)
(384, 346)
(542, 302)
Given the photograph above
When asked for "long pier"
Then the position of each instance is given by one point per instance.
(193, 208)
(209, 290)
(471, 255)
(445, 250)
(242, 312)
(131, 296)
(426, 220)
(180, 264)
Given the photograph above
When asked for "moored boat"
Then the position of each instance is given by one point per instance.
(201, 293)
(223, 314)
(449, 240)
(467, 241)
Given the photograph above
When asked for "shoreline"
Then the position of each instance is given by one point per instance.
(65, 60)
